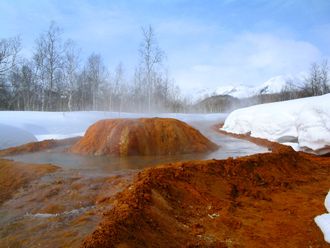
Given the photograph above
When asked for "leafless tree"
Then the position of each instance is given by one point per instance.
(96, 74)
(317, 82)
(9, 49)
(49, 60)
(71, 66)
(23, 86)
(324, 70)
(53, 79)
(151, 56)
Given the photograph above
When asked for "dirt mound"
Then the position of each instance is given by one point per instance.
(14, 175)
(256, 201)
(145, 136)
(37, 146)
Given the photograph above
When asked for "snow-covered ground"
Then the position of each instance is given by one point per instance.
(19, 127)
(323, 221)
(302, 123)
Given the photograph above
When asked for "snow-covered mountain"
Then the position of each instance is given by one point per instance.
(239, 91)
(271, 86)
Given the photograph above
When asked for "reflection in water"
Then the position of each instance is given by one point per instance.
(68, 213)
(61, 208)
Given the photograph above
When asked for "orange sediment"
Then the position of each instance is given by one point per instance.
(37, 146)
(256, 201)
(14, 175)
(263, 200)
(145, 136)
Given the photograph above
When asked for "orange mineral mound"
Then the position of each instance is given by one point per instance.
(145, 136)
(264, 200)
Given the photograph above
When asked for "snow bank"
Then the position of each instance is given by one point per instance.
(13, 136)
(60, 125)
(305, 123)
(323, 221)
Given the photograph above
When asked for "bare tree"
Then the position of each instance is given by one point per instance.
(317, 83)
(96, 74)
(117, 90)
(23, 86)
(324, 70)
(49, 60)
(151, 57)
(71, 66)
(9, 49)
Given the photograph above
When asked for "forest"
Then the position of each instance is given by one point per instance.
(55, 79)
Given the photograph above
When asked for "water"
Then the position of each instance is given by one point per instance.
(229, 147)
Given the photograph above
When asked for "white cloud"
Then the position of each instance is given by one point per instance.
(249, 58)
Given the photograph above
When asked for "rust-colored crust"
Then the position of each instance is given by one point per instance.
(144, 136)
(263, 200)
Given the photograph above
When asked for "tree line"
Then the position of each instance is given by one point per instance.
(54, 79)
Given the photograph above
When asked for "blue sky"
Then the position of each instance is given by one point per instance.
(208, 43)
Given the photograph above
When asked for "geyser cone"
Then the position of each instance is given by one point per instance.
(145, 136)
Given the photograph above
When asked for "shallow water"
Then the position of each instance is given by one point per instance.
(229, 147)
(61, 208)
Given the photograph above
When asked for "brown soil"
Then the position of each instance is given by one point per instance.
(263, 200)
(145, 136)
(38, 146)
(14, 175)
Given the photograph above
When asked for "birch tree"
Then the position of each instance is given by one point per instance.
(71, 67)
(151, 57)
(49, 60)
(9, 49)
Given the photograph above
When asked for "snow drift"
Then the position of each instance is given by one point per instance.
(13, 136)
(323, 221)
(302, 123)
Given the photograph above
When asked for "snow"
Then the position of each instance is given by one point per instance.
(13, 136)
(323, 221)
(19, 127)
(239, 91)
(304, 123)
(327, 202)
(271, 86)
